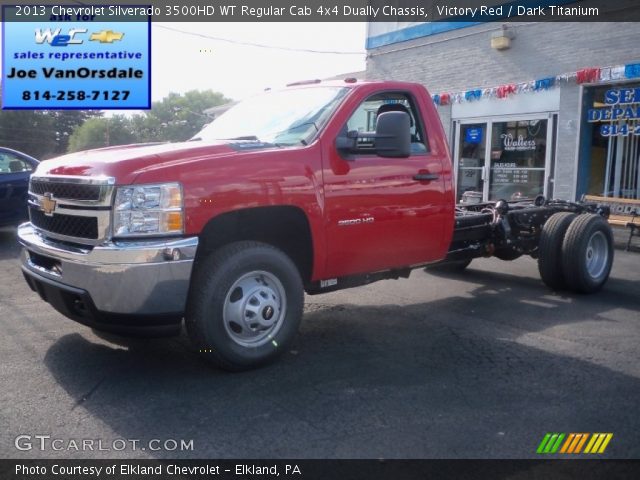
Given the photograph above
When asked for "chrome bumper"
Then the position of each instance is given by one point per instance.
(141, 277)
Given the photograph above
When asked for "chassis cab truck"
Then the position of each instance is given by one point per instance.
(313, 188)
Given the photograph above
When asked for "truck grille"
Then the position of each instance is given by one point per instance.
(71, 208)
(68, 225)
(70, 191)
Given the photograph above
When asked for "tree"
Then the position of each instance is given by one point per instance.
(41, 133)
(177, 117)
(31, 132)
(102, 132)
(66, 121)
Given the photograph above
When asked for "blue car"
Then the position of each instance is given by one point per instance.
(15, 170)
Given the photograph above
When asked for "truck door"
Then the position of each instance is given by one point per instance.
(384, 212)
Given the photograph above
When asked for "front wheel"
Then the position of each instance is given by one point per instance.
(587, 253)
(245, 305)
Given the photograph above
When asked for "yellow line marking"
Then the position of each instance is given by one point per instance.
(594, 437)
(605, 443)
(596, 446)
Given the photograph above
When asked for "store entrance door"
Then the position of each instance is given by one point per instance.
(471, 155)
(505, 158)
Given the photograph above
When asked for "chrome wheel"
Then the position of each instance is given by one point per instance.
(597, 255)
(254, 309)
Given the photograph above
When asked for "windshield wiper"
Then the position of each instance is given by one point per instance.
(295, 127)
(244, 137)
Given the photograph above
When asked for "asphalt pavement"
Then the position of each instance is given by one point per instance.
(475, 365)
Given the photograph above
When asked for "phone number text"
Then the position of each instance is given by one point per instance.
(76, 95)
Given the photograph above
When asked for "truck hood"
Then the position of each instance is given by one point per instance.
(126, 162)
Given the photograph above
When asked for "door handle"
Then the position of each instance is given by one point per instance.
(426, 177)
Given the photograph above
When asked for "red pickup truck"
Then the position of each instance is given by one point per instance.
(316, 187)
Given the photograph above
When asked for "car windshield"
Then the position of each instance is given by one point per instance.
(285, 117)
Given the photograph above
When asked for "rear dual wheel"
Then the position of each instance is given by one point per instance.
(587, 253)
(575, 252)
(550, 250)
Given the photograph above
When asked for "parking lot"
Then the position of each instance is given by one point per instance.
(476, 365)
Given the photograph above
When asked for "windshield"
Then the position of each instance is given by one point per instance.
(285, 117)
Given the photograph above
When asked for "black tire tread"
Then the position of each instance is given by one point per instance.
(550, 250)
(209, 271)
(572, 259)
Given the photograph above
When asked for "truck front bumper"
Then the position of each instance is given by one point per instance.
(126, 287)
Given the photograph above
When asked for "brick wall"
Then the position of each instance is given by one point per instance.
(463, 59)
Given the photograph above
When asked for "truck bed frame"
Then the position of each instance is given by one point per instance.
(508, 229)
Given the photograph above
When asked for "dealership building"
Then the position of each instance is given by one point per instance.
(529, 108)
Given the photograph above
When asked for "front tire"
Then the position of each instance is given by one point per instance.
(245, 305)
(587, 253)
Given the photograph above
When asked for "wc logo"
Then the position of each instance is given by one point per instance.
(57, 39)
(574, 443)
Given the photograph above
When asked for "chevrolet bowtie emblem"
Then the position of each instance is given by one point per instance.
(106, 36)
(47, 204)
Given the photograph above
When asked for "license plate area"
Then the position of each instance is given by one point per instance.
(49, 265)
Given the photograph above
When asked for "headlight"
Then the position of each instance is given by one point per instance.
(148, 210)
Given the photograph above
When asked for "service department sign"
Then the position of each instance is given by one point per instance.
(621, 114)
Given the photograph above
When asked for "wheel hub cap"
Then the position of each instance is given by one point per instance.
(267, 312)
(254, 308)
(597, 255)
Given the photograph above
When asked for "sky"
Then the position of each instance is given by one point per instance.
(182, 62)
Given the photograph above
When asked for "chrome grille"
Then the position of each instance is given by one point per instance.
(68, 225)
(70, 191)
(71, 208)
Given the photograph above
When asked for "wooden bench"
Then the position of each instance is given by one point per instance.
(625, 212)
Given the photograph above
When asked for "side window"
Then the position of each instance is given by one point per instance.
(12, 164)
(365, 116)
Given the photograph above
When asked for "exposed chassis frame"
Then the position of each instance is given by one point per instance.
(508, 230)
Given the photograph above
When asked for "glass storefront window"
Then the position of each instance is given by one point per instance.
(502, 159)
(518, 155)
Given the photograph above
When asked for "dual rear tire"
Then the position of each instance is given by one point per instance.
(575, 252)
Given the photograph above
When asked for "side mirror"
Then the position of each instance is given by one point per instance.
(393, 135)
(346, 142)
